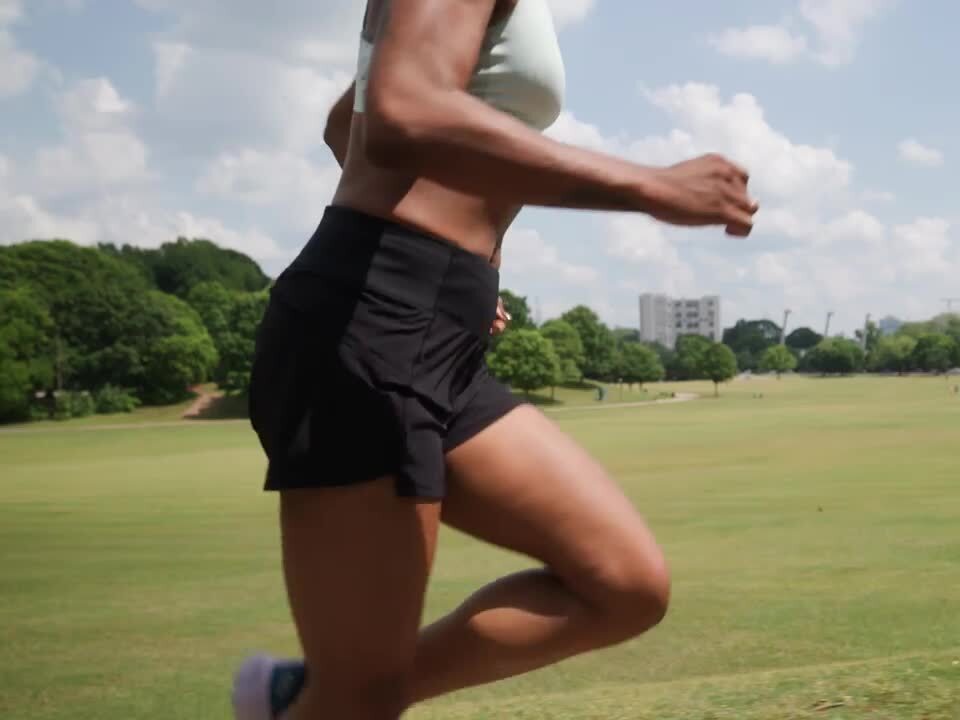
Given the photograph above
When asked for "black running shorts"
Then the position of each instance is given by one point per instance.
(369, 360)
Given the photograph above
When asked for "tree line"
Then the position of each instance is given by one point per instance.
(105, 329)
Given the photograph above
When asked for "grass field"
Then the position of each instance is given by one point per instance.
(814, 536)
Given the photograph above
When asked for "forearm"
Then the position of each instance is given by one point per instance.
(465, 144)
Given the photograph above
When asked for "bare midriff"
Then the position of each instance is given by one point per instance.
(475, 224)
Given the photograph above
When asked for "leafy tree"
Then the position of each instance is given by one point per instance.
(568, 346)
(598, 342)
(177, 354)
(520, 316)
(526, 360)
(934, 352)
(688, 361)
(176, 267)
(803, 339)
(778, 359)
(15, 385)
(719, 364)
(626, 335)
(639, 364)
(873, 335)
(893, 353)
(836, 355)
(749, 338)
(232, 319)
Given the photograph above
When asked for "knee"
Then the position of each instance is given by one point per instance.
(630, 591)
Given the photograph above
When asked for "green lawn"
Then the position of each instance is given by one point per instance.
(814, 535)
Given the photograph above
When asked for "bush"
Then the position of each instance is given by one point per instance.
(111, 399)
(66, 404)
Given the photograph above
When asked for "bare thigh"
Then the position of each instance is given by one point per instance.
(356, 561)
(525, 485)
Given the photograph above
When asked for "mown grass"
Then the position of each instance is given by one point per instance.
(812, 532)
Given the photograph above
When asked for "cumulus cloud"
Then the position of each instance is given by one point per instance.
(774, 43)
(914, 152)
(525, 250)
(815, 245)
(18, 68)
(100, 148)
(830, 32)
(280, 180)
(568, 12)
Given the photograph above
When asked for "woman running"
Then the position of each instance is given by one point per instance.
(374, 406)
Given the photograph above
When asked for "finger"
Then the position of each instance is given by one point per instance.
(738, 197)
(740, 172)
(739, 222)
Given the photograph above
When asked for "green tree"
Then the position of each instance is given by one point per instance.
(232, 319)
(625, 335)
(175, 267)
(836, 355)
(26, 352)
(568, 346)
(688, 361)
(639, 364)
(749, 339)
(778, 359)
(520, 316)
(178, 352)
(598, 342)
(526, 360)
(873, 335)
(803, 339)
(893, 353)
(15, 386)
(934, 352)
(719, 364)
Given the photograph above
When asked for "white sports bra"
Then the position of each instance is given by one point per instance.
(519, 70)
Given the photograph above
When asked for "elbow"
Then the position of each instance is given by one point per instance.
(393, 137)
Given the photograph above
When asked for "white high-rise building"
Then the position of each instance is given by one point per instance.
(663, 319)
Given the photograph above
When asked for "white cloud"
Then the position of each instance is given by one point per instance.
(774, 43)
(525, 250)
(832, 33)
(914, 152)
(568, 12)
(18, 69)
(125, 219)
(838, 24)
(100, 149)
(922, 247)
(280, 180)
(880, 196)
(642, 242)
(779, 167)
(278, 104)
(304, 31)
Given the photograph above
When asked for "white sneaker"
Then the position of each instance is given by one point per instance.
(265, 687)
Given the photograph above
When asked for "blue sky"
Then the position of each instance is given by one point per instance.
(139, 120)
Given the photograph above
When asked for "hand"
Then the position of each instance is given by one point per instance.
(708, 190)
(503, 317)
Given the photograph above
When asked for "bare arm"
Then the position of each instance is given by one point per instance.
(421, 119)
(337, 132)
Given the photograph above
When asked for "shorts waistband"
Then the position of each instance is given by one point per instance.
(354, 250)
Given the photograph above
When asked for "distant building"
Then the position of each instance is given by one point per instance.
(663, 319)
(889, 325)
